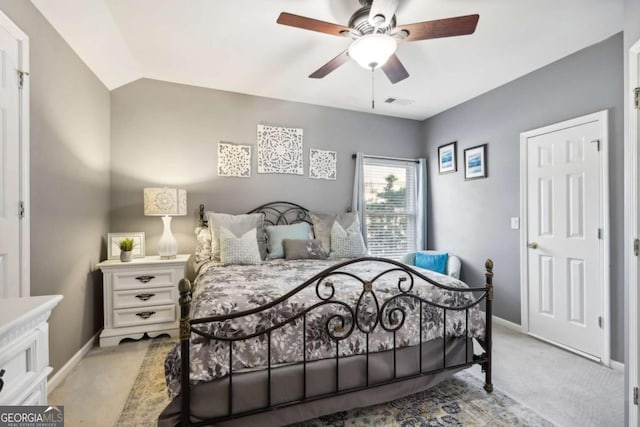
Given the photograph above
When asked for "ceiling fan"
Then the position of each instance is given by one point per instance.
(375, 36)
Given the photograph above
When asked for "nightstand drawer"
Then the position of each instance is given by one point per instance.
(144, 315)
(138, 279)
(19, 366)
(143, 297)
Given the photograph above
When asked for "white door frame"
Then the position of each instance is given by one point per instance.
(23, 63)
(602, 116)
(631, 232)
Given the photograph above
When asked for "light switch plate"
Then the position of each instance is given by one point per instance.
(515, 223)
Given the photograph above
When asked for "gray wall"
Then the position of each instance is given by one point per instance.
(167, 134)
(471, 218)
(70, 133)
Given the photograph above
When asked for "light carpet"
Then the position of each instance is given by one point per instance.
(458, 401)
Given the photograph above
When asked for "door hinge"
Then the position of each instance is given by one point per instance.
(21, 209)
(600, 322)
(636, 247)
(599, 233)
(637, 97)
(635, 395)
(21, 75)
(597, 142)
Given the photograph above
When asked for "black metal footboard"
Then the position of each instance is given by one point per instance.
(367, 314)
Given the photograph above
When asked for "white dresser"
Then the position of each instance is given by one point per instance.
(24, 349)
(141, 297)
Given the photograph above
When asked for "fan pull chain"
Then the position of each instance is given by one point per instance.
(373, 97)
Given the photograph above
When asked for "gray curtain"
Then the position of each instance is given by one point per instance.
(357, 204)
(421, 219)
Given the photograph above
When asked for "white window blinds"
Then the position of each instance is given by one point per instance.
(391, 202)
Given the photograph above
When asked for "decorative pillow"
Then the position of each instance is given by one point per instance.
(347, 243)
(433, 262)
(277, 233)
(348, 218)
(322, 224)
(203, 248)
(303, 249)
(238, 225)
(239, 250)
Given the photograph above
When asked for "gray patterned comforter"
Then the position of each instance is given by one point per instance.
(220, 290)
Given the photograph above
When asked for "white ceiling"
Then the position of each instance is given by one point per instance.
(237, 46)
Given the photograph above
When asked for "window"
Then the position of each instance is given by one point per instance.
(390, 206)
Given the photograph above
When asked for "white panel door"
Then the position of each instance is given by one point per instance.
(565, 286)
(9, 167)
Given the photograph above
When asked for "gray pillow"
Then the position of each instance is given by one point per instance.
(239, 250)
(277, 233)
(347, 243)
(303, 249)
(322, 224)
(238, 225)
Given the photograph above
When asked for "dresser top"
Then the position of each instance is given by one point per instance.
(148, 260)
(17, 311)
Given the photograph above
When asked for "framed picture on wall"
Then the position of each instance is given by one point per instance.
(475, 162)
(113, 244)
(447, 158)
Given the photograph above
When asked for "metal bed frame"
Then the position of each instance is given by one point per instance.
(389, 315)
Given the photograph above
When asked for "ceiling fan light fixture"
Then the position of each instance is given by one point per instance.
(372, 50)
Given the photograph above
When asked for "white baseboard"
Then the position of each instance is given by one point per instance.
(507, 324)
(617, 366)
(62, 373)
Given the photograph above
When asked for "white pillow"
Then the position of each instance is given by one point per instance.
(239, 250)
(237, 224)
(347, 243)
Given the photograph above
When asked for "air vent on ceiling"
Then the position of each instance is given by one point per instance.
(398, 101)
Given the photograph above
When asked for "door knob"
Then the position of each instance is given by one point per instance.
(533, 245)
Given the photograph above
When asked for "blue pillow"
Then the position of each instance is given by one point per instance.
(433, 262)
(277, 233)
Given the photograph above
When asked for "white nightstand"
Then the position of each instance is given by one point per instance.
(141, 297)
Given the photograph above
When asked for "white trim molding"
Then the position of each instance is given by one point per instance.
(605, 246)
(631, 232)
(63, 372)
(507, 324)
(617, 366)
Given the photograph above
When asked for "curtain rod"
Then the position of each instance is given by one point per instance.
(353, 156)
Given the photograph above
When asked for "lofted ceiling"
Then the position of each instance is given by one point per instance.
(236, 46)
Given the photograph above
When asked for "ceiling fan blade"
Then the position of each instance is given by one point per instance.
(394, 69)
(311, 24)
(448, 27)
(382, 8)
(330, 66)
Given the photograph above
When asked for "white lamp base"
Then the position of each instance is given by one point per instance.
(167, 245)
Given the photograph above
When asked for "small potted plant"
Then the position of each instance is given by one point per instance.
(126, 248)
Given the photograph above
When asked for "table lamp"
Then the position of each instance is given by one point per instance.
(166, 202)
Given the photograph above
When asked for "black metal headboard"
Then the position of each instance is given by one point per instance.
(275, 213)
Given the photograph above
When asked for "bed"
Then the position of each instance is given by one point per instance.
(286, 341)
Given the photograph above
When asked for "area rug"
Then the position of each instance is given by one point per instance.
(148, 395)
(458, 401)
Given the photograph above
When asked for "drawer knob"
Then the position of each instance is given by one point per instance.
(146, 314)
(145, 297)
(1, 382)
(146, 278)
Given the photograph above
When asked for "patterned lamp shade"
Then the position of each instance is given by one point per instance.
(165, 201)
